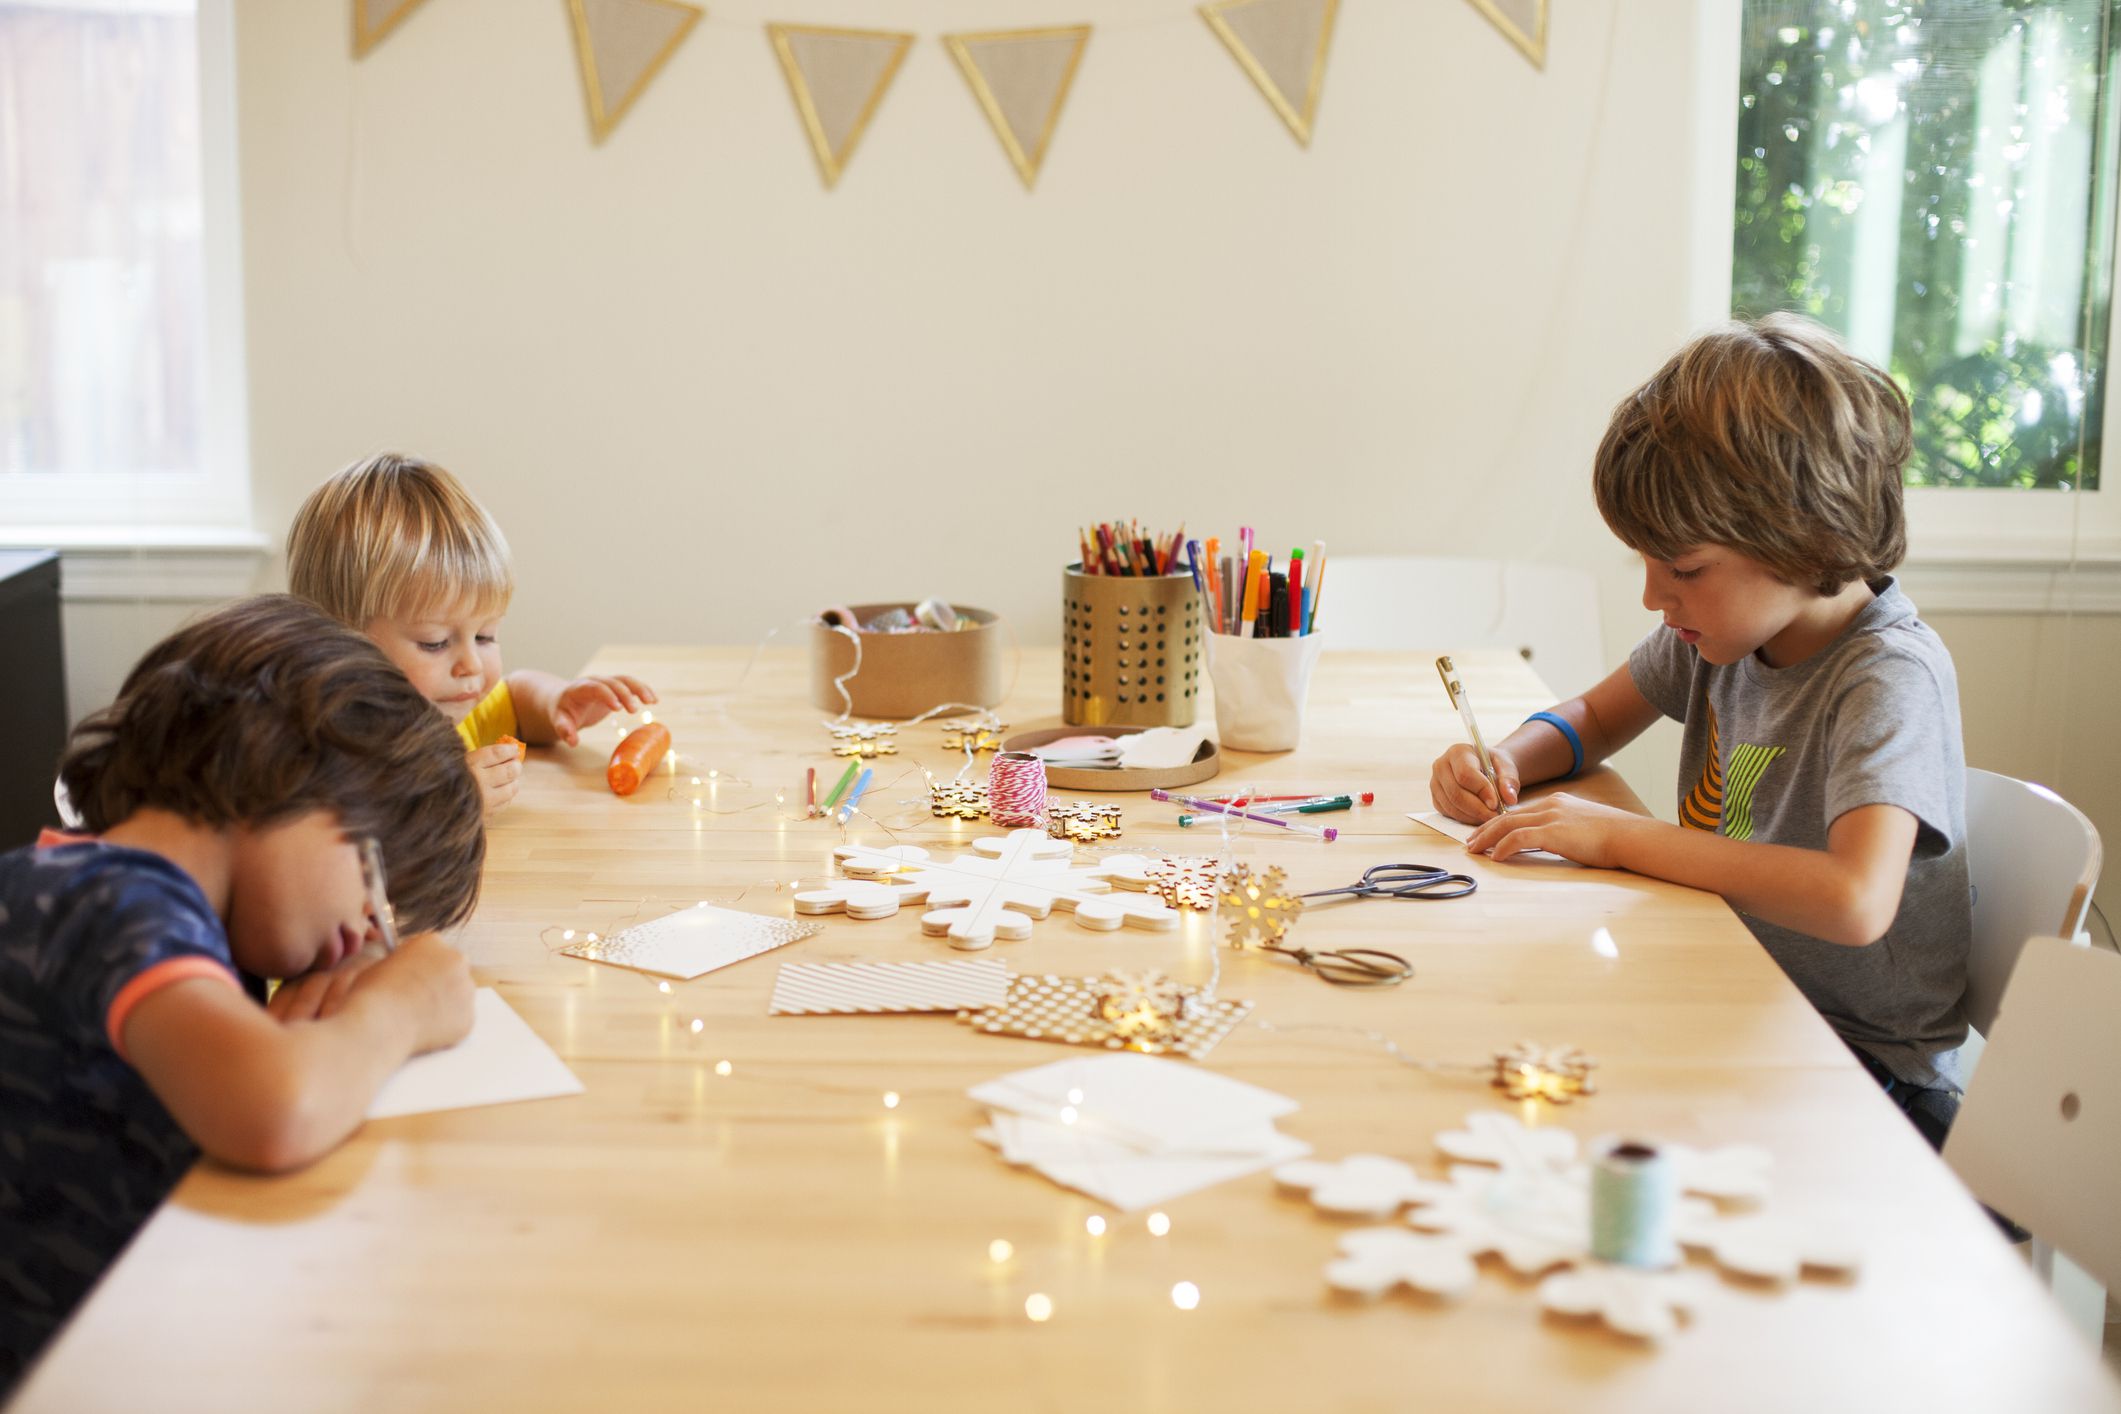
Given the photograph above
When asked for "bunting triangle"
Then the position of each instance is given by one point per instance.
(837, 77)
(1021, 79)
(621, 44)
(373, 19)
(1522, 22)
(1281, 45)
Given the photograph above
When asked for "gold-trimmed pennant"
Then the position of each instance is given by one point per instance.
(621, 44)
(1281, 45)
(1522, 22)
(837, 77)
(1021, 78)
(373, 19)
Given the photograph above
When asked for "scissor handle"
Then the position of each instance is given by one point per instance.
(1347, 967)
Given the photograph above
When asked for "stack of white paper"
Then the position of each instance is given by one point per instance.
(1134, 1131)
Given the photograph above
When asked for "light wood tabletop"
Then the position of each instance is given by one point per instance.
(775, 1237)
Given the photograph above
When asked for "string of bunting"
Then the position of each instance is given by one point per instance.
(1019, 78)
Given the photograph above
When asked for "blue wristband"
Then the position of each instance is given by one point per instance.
(1575, 741)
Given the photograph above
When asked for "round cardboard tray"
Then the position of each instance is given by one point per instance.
(1206, 762)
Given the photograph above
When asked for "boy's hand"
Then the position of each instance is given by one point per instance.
(1463, 793)
(1563, 824)
(499, 769)
(318, 996)
(587, 701)
(431, 982)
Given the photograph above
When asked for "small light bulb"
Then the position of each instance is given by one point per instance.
(1068, 1115)
(1094, 1225)
(696, 802)
(567, 936)
(695, 780)
(1000, 1251)
(713, 774)
(1159, 1224)
(722, 1067)
(698, 1026)
(1185, 1296)
(891, 1099)
(1038, 1306)
(780, 797)
(663, 987)
(1075, 1097)
(592, 937)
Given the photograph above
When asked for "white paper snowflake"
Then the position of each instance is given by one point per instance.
(1376, 1259)
(1634, 1302)
(1524, 1194)
(1361, 1185)
(995, 892)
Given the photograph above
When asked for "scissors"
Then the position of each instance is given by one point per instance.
(1403, 881)
(1350, 967)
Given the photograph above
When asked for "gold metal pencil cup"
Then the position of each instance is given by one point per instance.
(1130, 649)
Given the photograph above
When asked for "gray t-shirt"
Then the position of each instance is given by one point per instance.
(1776, 755)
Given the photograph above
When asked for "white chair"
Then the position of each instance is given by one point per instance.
(1546, 612)
(2039, 1135)
(2033, 859)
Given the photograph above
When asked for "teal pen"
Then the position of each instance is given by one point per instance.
(1308, 807)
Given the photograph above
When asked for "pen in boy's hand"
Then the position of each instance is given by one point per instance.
(378, 893)
(1463, 701)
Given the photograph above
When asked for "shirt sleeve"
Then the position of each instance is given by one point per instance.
(1663, 670)
(124, 938)
(493, 718)
(1886, 746)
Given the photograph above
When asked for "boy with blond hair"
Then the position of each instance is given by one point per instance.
(396, 548)
(230, 788)
(1822, 779)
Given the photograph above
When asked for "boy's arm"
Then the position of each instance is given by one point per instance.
(1606, 718)
(550, 709)
(259, 1094)
(1847, 893)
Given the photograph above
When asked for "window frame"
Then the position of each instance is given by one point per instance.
(211, 505)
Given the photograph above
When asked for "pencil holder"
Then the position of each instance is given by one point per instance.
(1260, 687)
(1130, 649)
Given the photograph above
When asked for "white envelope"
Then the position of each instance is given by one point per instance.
(1158, 1106)
(1128, 1180)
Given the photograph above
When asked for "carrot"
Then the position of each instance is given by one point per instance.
(521, 749)
(640, 753)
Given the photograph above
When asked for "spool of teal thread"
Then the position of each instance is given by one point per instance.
(1634, 1197)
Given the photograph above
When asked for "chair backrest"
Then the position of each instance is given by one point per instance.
(2039, 1136)
(2033, 859)
(1547, 612)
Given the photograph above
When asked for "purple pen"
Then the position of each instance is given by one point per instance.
(1327, 833)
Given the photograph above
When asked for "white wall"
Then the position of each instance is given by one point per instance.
(704, 396)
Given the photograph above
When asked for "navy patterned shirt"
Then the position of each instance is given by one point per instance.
(86, 1150)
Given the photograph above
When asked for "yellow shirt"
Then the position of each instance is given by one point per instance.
(491, 719)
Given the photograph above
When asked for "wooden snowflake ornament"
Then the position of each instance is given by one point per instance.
(1144, 1005)
(1378, 1259)
(957, 800)
(1084, 822)
(1530, 1071)
(865, 740)
(1261, 908)
(972, 737)
(1634, 1302)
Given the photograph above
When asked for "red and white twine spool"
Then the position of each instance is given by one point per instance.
(1016, 790)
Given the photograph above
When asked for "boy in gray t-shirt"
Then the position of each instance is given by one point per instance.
(1822, 784)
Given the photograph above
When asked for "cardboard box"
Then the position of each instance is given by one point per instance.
(905, 674)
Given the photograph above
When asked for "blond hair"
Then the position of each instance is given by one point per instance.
(1771, 438)
(395, 536)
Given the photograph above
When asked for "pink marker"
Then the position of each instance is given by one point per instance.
(1327, 833)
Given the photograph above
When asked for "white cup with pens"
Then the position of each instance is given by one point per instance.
(1264, 641)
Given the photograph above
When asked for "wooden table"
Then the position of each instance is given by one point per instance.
(775, 1237)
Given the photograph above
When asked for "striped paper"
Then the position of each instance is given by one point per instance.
(862, 988)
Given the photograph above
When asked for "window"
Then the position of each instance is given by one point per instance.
(120, 368)
(1935, 179)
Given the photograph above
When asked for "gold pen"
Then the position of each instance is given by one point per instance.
(1463, 701)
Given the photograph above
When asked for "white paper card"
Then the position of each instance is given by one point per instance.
(1160, 748)
(1459, 830)
(502, 1060)
(693, 941)
(1153, 1105)
(1129, 1180)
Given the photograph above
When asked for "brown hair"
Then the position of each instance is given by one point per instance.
(1768, 437)
(394, 535)
(266, 709)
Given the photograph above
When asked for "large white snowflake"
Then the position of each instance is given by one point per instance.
(995, 892)
(1524, 1194)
